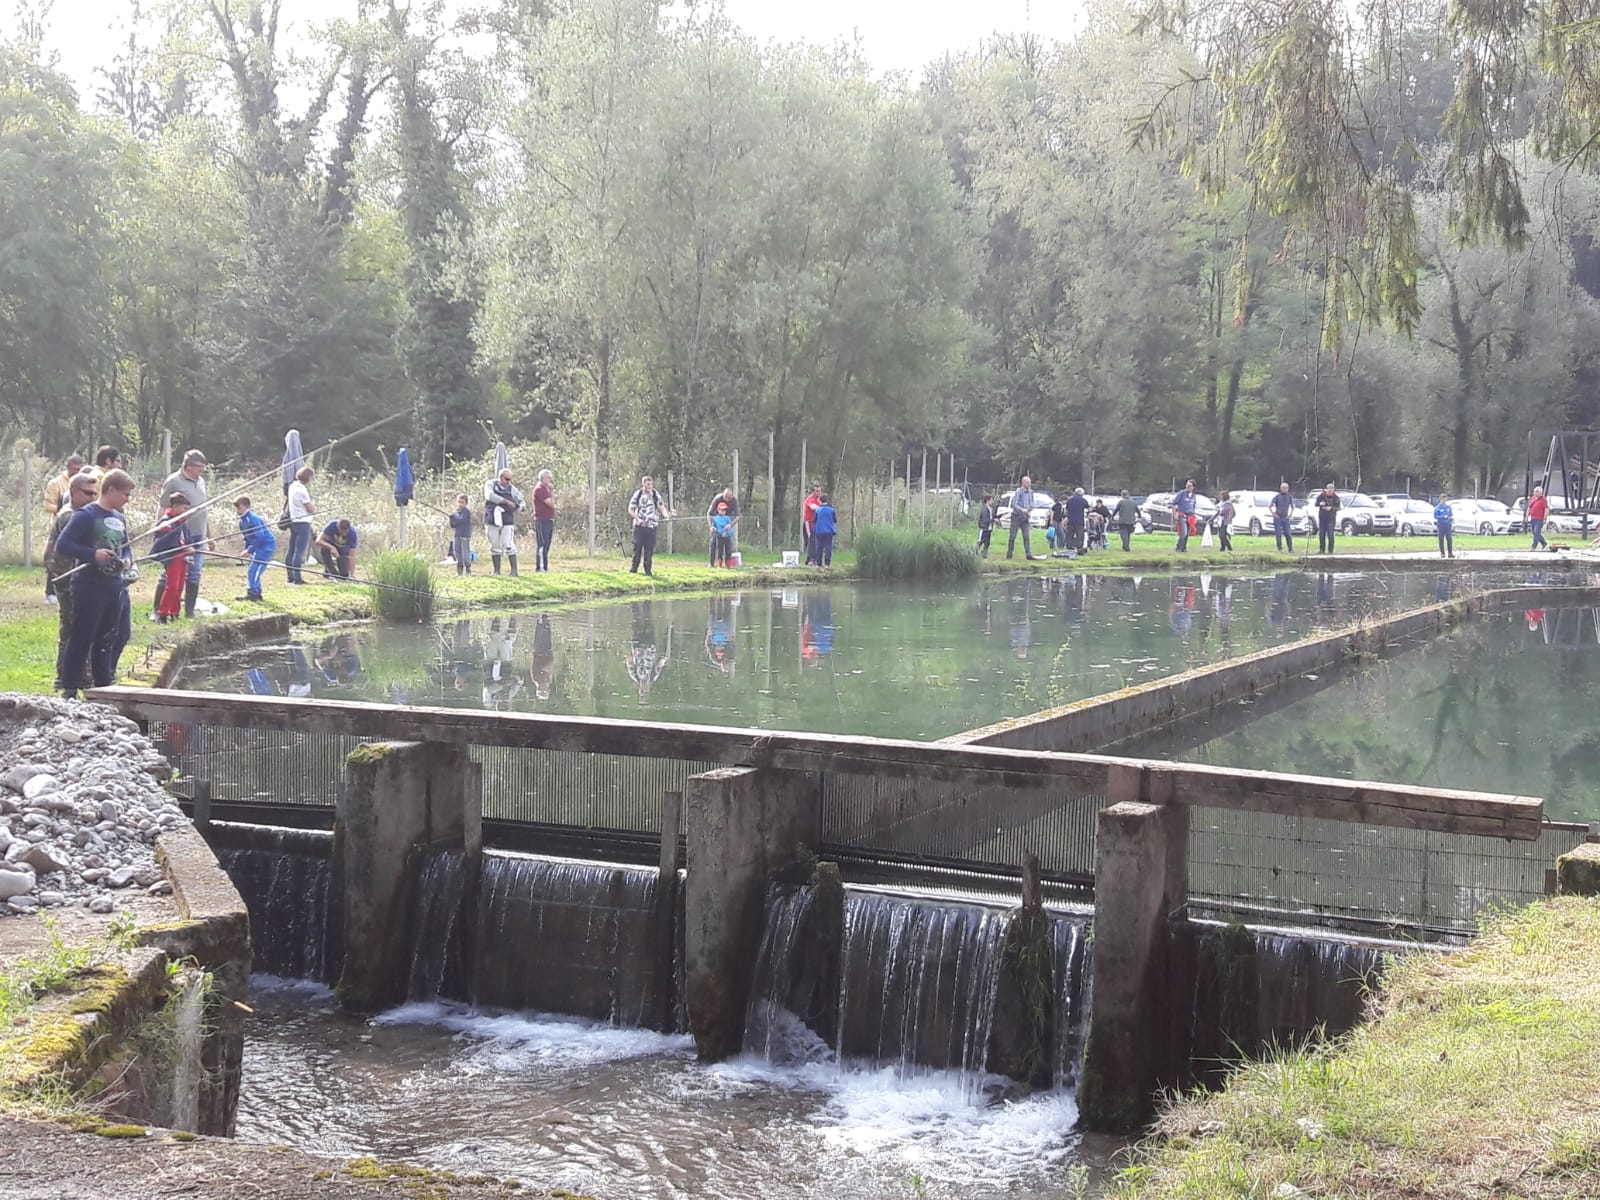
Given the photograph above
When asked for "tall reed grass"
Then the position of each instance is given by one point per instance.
(898, 552)
(405, 590)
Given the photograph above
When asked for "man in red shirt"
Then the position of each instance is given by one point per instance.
(544, 519)
(1538, 511)
(808, 521)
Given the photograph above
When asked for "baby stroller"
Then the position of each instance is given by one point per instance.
(1095, 531)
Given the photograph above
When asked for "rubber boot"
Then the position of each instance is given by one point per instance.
(496, 558)
(512, 559)
(191, 593)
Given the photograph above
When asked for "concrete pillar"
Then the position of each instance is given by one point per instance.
(401, 800)
(743, 825)
(1139, 884)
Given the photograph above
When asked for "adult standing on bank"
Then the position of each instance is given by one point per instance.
(1127, 517)
(1225, 511)
(501, 504)
(1183, 505)
(56, 498)
(1282, 518)
(808, 524)
(1022, 501)
(80, 492)
(1077, 509)
(1327, 519)
(725, 496)
(1538, 514)
(1445, 518)
(106, 459)
(301, 508)
(544, 519)
(189, 481)
(647, 509)
(96, 540)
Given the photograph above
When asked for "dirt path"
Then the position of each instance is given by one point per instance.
(46, 1161)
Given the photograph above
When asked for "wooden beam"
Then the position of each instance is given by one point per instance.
(1482, 813)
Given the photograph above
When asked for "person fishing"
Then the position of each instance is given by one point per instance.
(173, 547)
(501, 504)
(461, 535)
(96, 539)
(647, 509)
(259, 542)
(336, 546)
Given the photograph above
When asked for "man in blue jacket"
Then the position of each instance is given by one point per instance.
(96, 539)
(1077, 507)
(1182, 513)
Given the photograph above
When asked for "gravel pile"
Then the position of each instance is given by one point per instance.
(80, 806)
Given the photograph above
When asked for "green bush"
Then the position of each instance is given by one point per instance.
(404, 588)
(897, 552)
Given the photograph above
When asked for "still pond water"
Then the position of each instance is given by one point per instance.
(890, 661)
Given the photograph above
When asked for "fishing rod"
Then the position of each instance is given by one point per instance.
(240, 489)
(373, 583)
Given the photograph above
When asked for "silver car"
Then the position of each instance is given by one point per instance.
(1413, 517)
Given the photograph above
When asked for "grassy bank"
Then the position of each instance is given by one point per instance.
(1477, 1077)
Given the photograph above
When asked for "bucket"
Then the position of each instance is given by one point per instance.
(736, 559)
(791, 558)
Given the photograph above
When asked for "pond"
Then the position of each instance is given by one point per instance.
(885, 660)
(1502, 703)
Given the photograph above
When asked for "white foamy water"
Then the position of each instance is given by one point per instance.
(621, 1113)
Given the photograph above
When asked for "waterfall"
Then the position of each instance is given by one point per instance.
(918, 982)
(570, 937)
(779, 1026)
(1071, 977)
(283, 877)
(440, 891)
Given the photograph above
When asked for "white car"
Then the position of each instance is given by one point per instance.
(1481, 516)
(1252, 514)
(1038, 516)
(1413, 517)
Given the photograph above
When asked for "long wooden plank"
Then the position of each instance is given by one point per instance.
(987, 766)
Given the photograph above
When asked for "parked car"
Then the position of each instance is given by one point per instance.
(1413, 518)
(1358, 513)
(1252, 513)
(1564, 523)
(1038, 516)
(1158, 509)
(1481, 516)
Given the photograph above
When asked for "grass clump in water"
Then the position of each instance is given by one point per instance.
(898, 552)
(405, 588)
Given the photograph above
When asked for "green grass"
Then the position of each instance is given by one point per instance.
(1477, 1076)
(403, 586)
(898, 552)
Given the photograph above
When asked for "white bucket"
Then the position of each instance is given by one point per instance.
(791, 558)
(736, 559)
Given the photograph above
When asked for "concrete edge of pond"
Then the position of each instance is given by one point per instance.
(1098, 722)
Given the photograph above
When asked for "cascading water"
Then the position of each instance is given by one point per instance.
(551, 935)
(283, 877)
(1071, 974)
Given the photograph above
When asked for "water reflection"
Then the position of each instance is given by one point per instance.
(901, 661)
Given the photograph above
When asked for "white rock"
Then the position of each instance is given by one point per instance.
(51, 899)
(69, 734)
(15, 883)
(23, 904)
(101, 904)
(43, 860)
(38, 785)
(108, 810)
(161, 887)
(17, 777)
(17, 849)
(121, 877)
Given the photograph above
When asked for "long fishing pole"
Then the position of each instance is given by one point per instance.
(239, 489)
(373, 583)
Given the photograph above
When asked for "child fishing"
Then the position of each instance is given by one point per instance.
(173, 547)
(461, 535)
(259, 542)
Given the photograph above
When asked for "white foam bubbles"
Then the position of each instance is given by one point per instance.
(512, 1041)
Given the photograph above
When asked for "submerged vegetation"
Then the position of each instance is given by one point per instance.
(900, 552)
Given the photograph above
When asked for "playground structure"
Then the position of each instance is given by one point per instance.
(1566, 463)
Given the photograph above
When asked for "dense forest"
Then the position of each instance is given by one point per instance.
(623, 225)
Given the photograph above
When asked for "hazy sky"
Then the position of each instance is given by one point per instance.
(896, 35)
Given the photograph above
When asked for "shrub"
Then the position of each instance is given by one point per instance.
(896, 552)
(404, 589)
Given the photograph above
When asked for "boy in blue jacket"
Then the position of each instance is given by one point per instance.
(827, 524)
(96, 539)
(260, 543)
